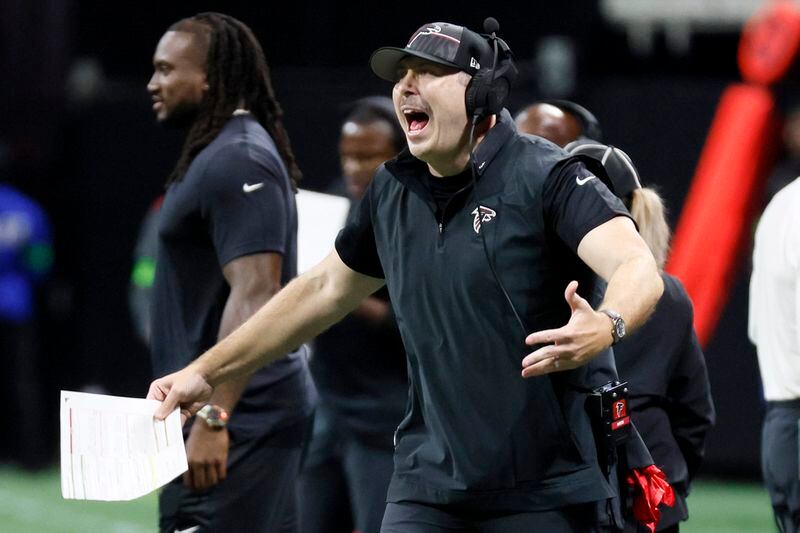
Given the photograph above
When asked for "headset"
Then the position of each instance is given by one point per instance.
(485, 96)
(590, 126)
(488, 89)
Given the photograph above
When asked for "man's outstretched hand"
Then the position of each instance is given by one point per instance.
(586, 334)
(186, 389)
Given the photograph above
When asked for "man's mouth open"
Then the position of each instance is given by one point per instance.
(417, 120)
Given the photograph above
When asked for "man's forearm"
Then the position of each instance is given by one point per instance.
(304, 308)
(633, 291)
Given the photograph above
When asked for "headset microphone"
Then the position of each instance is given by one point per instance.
(491, 26)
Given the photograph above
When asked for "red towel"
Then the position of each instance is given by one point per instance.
(650, 488)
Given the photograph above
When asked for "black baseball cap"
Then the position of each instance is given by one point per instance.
(618, 165)
(438, 42)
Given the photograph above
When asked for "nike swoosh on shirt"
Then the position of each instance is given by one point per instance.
(188, 530)
(250, 188)
(584, 180)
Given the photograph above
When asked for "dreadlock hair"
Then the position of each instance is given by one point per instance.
(238, 76)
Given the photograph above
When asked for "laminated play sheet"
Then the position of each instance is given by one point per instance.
(113, 449)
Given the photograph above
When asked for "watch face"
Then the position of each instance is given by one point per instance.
(619, 326)
(215, 417)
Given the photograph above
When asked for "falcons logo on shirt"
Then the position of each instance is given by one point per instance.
(482, 214)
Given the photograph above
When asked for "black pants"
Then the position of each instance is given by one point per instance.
(417, 518)
(344, 480)
(779, 463)
(256, 496)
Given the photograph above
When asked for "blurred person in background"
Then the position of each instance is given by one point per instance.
(226, 244)
(788, 166)
(669, 391)
(26, 258)
(359, 367)
(143, 273)
(559, 121)
(774, 328)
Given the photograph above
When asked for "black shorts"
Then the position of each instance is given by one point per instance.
(257, 495)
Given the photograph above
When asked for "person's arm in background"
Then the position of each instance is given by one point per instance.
(249, 231)
(615, 252)
(253, 280)
(304, 308)
(143, 273)
(689, 404)
(376, 311)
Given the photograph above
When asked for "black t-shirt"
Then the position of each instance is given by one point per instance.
(235, 200)
(476, 433)
(444, 189)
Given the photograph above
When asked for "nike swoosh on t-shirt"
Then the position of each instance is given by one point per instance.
(250, 188)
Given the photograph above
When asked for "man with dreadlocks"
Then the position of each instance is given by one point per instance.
(227, 243)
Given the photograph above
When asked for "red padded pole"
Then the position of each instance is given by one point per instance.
(717, 214)
(738, 154)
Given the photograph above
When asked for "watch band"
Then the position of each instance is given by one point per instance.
(617, 325)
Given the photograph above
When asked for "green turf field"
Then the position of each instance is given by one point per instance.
(32, 503)
(727, 507)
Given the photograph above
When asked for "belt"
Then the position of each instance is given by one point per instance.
(791, 404)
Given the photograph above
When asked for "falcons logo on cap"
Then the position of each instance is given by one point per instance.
(482, 214)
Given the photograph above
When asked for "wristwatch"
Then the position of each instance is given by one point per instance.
(617, 325)
(214, 416)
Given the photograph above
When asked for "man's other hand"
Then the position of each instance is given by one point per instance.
(207, 454)
(583, 337)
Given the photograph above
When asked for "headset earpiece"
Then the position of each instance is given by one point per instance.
(488, 89)
(477, 95)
